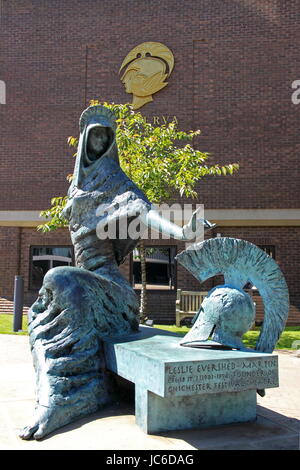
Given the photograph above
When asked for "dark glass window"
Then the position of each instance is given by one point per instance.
(43, 258)
(269, 249)
(160, 268)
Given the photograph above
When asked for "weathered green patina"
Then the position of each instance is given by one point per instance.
(179, 388)
(79, 307)
(81, 310)
(228, 312)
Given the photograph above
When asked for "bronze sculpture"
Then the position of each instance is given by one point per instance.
(79, 306)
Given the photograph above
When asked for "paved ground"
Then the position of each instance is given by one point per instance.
(277, 426)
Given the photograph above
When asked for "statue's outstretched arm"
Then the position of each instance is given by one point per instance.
(193, 229)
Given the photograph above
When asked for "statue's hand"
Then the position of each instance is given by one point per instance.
(194, 229)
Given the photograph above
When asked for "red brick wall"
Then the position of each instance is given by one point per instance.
(235, 62)
(234, 65)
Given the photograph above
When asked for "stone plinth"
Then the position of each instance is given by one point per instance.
(180, 388)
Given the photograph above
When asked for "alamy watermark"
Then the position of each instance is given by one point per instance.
(296, 344)
(2, 83)
(296, 94)
(2, 92)
(124, 220)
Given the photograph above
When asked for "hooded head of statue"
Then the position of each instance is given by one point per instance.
(101, 195)
(97, 149)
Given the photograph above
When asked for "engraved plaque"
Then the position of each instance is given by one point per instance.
(228, 375)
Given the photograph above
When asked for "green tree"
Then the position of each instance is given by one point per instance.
(159, 159)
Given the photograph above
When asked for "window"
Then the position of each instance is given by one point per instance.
(43, 258)
(269, 249)
(160, 268)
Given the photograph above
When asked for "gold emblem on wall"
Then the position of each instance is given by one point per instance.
(145, 71)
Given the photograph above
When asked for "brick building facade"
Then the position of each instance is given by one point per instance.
(235, 62)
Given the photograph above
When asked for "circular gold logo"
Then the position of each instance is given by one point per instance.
(145, 70)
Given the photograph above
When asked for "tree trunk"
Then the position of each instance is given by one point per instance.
(143, 300)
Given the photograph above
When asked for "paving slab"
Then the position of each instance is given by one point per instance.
(276, 428)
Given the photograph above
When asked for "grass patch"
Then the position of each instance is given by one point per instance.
(288, 336)
(6, 325)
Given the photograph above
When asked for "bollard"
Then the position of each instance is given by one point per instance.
(18, 303)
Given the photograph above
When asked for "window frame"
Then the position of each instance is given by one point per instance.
(36, 289)
(153, 289)
(272, 248)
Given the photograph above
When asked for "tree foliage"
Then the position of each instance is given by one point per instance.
(159, 159)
